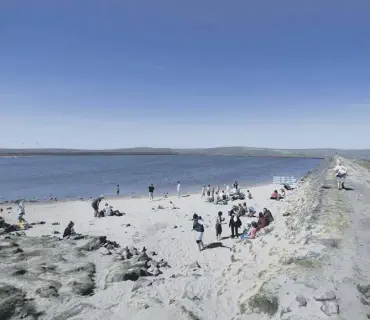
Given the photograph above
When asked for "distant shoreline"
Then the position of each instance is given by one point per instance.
(86, 154)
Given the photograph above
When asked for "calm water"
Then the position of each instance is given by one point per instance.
(85, 176)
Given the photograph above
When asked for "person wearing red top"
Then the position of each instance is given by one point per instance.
(275, 195)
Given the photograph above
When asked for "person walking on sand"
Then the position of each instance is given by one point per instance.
(21, 213)
(218, 189)
(198, 227)
(117, 190)
(219, 226)
(227, 192)
(178, 189)
(203, 192)
(95, 205)
(151, 192)
(340, 174)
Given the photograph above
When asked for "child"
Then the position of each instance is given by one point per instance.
(199, 229)
(218, 225)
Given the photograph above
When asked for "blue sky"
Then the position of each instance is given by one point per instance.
(112, 74)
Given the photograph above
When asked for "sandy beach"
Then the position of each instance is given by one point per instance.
(282, 274)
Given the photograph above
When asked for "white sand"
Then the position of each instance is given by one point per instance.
(156, 231)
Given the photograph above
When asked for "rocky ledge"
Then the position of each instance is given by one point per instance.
(38, 272)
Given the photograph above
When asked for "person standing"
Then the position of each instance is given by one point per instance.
(227, 192)
(95, 205)
(203, 192)
(218, 225)
(117, 190)
(235, 223)
(199, 229)
(151, 192)
(178, 189)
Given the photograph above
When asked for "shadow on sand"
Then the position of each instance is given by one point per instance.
(215, 245)
(348, 189)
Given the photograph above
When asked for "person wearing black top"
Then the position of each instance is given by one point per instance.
(68, 231)
(235, 223)
(267, 214)
(151, 192)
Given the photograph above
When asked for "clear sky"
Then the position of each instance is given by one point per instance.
(167, 73)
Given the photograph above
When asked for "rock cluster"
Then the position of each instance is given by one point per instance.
(39, 272)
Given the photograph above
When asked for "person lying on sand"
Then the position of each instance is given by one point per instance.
(219, 225)
(198, 227)
(95, 205)
(69, 230)
(268, 215)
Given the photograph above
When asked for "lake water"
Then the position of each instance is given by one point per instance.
(86, 176)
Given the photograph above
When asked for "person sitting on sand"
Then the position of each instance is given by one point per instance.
(69, 230)
(262, 221)
(108, 210)
(268, 215)
(274, 195)
(251, 212)
(282, 191)
(287, 186)
(251, 233)
(249, 194)
(198, 227)
(173, 206)
(95, 205)
(218, 225)
(242, 211)
(234, 224)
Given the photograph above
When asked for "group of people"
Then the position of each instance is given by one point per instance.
(277, 196)
(108, 210)
(218, 196)
(235, 223)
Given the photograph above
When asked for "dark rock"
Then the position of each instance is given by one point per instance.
(18, 250)
(365, 302)
(328, 296)
(143, 257)
(330, 308)
(9, 208)
(77, 237)
(41, 222)
(47, 292)
(91, 244)
(365, 290)
(55, 224)
(128, 225)
(175, 227)
(11, 299)
(286, 214)
(302, 302)
(84, 285)
(19, 272)
(56, 232)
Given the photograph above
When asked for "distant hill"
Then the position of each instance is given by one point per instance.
(224, 151)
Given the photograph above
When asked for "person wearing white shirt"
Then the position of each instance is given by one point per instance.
(340, 173)
(227, 191)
